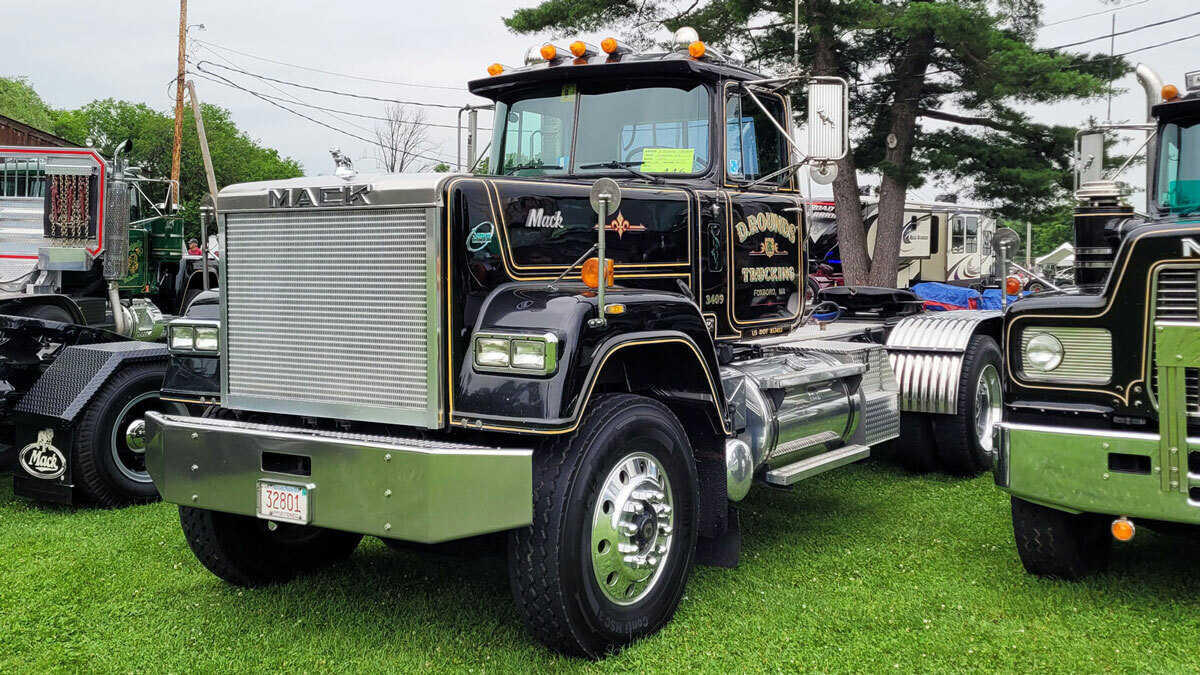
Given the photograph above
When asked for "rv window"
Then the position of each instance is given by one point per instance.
(753, 146)
(957, 235)
(972, 234)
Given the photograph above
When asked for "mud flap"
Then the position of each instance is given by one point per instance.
(45, 418)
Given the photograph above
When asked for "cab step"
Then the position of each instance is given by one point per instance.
(807, 468)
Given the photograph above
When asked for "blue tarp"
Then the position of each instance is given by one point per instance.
(945, 294)
(991, 299)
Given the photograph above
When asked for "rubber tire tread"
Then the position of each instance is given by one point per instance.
(92, 473)
(1057, 544)
(234, 549)
(957, 447)
(543, 610)
(47, 313)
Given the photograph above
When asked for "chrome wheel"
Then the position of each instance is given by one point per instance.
(128, 441)
(988, 406)
(632, 528)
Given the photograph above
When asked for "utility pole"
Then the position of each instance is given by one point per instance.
(177, 147)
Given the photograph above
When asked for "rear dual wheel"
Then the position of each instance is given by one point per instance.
(611, 545)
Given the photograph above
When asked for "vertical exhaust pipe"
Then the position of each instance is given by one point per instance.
(1152, 85)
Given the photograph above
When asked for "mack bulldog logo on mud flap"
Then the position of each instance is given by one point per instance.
(41, 459)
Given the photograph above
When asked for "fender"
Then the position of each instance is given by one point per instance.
(13, 303)
(49, 411)
(554, 403)
(926, 352)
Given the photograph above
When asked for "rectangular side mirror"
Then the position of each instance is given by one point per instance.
(1089, 157)
(828, 119)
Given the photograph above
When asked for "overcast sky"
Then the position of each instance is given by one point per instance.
(75, 51)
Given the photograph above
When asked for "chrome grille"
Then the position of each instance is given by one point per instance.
(332, 314)
(1087, 355)
(1177, 297)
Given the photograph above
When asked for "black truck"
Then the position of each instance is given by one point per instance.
(596, 347)
(1101, 387)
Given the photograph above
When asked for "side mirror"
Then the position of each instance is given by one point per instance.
(828, 119)
(1089, 157)
(208, 213)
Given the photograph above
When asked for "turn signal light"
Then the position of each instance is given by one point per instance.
(549, 52)
(1012, 286)
(591, 272)
(1170, 92)
(1123, 529)
(696, 49)
(495, 69)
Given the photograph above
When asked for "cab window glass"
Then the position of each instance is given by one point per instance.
(660, 129)
(753, 146)
(1179, 166)
(536, 136)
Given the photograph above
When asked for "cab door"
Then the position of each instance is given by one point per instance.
(765, 216)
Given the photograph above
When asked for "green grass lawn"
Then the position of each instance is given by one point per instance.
(865, 569)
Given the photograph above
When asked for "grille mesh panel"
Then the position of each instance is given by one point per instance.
(1177, 296)
(329, 308)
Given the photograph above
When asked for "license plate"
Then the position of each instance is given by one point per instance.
(285, 503)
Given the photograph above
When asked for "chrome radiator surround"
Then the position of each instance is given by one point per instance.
(333, 313)
(1176, 292)
(1087, 355)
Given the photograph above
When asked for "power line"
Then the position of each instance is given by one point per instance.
(290, 96)
(200, 65)
(381, 118)
(317, 121)
(1124, 32)
(329, 72)
(1086, 16)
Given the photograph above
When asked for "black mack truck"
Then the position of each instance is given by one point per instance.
(1101, 391)
(597, 346)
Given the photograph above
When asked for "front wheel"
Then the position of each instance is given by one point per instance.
(1058, 544)
(609, 551)
(247, 551)
(964, 439)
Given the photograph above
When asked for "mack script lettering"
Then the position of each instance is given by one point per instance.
(538, 218)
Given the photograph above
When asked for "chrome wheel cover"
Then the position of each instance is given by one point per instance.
(632, 525)
(988, 406)
(128, 449)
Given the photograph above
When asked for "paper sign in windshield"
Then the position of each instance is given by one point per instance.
(668, 160)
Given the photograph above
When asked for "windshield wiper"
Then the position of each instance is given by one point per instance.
(530, 165)
(627, 166)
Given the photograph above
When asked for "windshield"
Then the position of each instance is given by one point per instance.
(660, 130)
(1179, 166)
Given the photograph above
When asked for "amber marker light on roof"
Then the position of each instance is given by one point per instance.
(549, 52)
(1170, 92)
(696, 49)
(580, 48)
(609, 45)
(495, 69)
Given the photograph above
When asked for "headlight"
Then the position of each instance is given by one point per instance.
(491, 352)
(528, 354)
(522, 354)
(206, 339)
(1044, 351)
(181, 338)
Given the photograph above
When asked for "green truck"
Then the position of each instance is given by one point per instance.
(1102, 394)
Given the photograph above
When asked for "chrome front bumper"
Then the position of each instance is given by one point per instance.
(414, 490)
(1097, 471)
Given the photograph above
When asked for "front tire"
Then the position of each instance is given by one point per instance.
(245, 551)
(613, 537)
(109, 463)
(964, 440)
(1058, 544)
